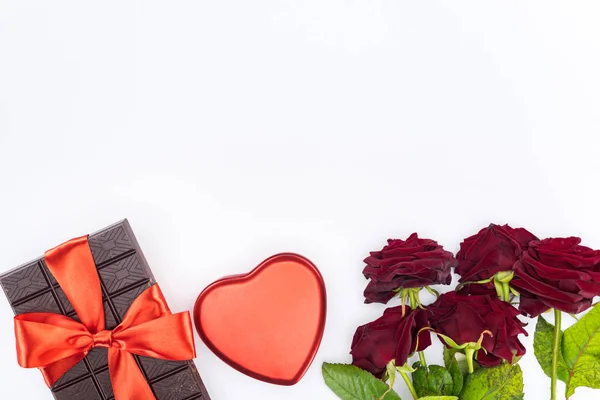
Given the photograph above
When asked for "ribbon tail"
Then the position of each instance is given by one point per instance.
(73, 266)
(54, 371)
(51, 342)
(127, 380)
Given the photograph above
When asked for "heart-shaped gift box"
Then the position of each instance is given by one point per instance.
(268, 323)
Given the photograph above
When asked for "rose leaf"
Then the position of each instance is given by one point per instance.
(349, 382)
(504, 382)
(433, 381)
(543, 345)
(581, 352)
(456, 370)
(439, 398)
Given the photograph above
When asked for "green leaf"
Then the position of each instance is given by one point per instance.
(456, 371)
(433, 381)
(579, 357)
(504, 382)
(543, 347)
(439, 398)
(581, 352)
(349, 382)
(459, 357)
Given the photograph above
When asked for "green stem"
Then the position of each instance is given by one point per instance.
(422, 359)
(557, 318)
(408, 382)
(470, 353)
(414, 303)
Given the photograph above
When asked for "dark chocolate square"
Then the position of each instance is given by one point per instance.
(123, 301)
(177, 386)
(81, 390)
(124, 275)
(79, 370)
(105, 384)
(47, 273)
(109, 317)
(153, 367)
(97, 358)
(24, 282)
(66, 304)
(110, 244)
(43, 303)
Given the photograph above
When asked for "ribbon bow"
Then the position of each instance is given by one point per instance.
(55, 343)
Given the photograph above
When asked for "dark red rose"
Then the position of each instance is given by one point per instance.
(409, 263)
(557, 273)
(464, 318)
(393, 336)
(494, 249)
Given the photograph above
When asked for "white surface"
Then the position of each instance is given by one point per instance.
(227, 131)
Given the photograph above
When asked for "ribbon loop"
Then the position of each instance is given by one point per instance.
(55, 343)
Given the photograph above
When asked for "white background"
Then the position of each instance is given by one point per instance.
(227, 131)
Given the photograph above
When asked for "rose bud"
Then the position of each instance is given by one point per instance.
(557, 273)
(406, 264)
(396, 335)
(488, 258)
(482, 323)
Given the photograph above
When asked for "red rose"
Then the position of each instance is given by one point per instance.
(465, 318)
(393, 336)
(494, 249)
(409, 263)
(557, 273)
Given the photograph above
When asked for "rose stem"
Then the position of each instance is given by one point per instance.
(470, 353)
(506, 292)
(406, 379)
(557, 317)
(412, 298)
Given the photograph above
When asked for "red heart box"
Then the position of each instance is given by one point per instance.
(267, 324)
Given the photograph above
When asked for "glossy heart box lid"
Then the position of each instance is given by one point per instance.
(267, 324)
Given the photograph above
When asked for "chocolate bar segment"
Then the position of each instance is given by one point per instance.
(124, 274)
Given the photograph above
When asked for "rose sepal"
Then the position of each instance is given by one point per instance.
(469, 348)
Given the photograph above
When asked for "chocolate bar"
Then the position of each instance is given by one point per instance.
(124, 275)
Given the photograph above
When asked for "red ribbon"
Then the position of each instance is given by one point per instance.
(55, 343)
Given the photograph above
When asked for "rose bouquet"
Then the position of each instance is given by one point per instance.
(504, 273)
